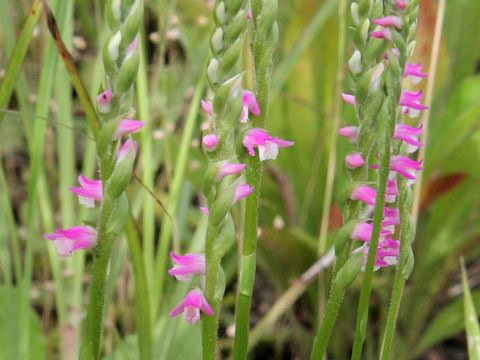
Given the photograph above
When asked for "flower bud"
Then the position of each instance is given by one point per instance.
(114, 45)
(354, 160)
(349, 271)
(364, 30)
(355, 14)
(217, 40)
(122, 173)
(350, 132)
(210, 142)
(207, 106)
(242, 191)
(375, 80)
(104, 101)
(220, 13)
(230, 169)
(355, 62)
(213, 71)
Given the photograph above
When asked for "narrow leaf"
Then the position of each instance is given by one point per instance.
(471, 321)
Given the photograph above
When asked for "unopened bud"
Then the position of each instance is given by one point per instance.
(104, 101)
(114, 45)
(350, 270)
(355, 15)
(355, 62)
(212, 71)
(364, 30)
(217, 40)
(210, 142)
(375, 80)
(220, 13)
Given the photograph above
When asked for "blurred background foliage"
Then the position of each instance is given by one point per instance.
(176, 36)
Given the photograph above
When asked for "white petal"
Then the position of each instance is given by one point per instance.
(413, 113)
(114, 45)
(87, 202)
(411, 148)
(415, 79)
(268, 151)
(63, 247)
(244, 116)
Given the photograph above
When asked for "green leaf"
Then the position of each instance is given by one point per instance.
(9, 327)
(471, 319)
(447, 323)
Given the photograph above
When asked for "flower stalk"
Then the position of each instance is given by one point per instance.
(121, 59)
(265, 36)
(383, 40)
(225, 112)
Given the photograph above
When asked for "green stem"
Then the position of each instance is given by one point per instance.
(210, 323)
(362, 314)
(93, 324)
(262, 61)
(399, 280)
(248, 262)
(18, 55)
(174, 197)
(142, 306)
(323, 336)
(335, 298)
(332, 157)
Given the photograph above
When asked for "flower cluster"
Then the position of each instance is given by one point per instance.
(255, 138)
(186, 266)
(91, 191)
(406, 139)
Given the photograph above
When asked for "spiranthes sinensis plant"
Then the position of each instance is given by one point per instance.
(377, 227)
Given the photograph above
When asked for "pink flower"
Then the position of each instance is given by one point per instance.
(210, 142)
(250, 101)
(267, 144)
(191, 306)
(390, 242)
(250, 104)
(89, 191)
(395, 53)
(128, 145)
(204, 210)
(391, 217)
(104, 101)
(385, 255)
(66, 241)
(249, 14)
(388, 251)
(382, 34)
(230, 169)
(411, 103)
(128, 126)
(392, 191)
(354, 160)
(185, 266)
(363, 232)
(405, 166)
(415, 72)
(242, 191)
(350, 132)
(401, 4)
(364, 193)
(349, 99)
(207, 106)
(133, 47)
(409, 135)
(389, 21)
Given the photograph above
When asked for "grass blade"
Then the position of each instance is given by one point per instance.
(471, 320)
